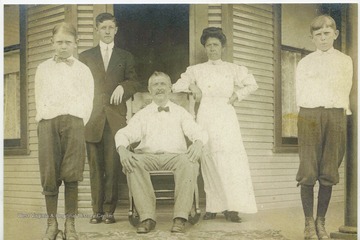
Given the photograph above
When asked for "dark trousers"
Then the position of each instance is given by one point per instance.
(104, 169)
(322, 135)
(61, 152)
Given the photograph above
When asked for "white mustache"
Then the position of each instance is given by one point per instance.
(160, 91)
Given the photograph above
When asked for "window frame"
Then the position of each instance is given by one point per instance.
(279, 146)
(20, 146)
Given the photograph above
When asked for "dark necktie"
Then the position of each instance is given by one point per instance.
(68, 61)
(166, 109)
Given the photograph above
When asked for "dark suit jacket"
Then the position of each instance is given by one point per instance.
(121, 71)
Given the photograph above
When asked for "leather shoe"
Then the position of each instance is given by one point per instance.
(96, 218)
(232, 216)
(178, 225)
(109, 218)
(209, 216)
(146, 226)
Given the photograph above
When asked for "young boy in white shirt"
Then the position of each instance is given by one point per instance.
(323, 84)
(64, 91)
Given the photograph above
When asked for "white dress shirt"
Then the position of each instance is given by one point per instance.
(160, 132)
(61, 89)
(324, 79)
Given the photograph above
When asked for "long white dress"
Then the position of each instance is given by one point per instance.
(224, 164)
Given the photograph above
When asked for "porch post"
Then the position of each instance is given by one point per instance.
(349, 230)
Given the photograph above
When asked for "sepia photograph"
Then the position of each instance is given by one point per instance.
(180, 120)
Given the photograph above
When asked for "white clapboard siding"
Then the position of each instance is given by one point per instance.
(22, 189)
(85, 27)
(214, 14)
(253, 46)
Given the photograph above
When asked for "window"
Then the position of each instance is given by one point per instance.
(15, 114)
(294, 42)
(290, 57)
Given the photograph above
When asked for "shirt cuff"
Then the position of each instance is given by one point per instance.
(121, 140)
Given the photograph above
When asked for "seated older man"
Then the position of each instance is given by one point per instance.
(161, 128)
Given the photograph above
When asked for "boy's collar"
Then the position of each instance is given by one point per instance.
(331, 50)
(69, 60)
(70, 57)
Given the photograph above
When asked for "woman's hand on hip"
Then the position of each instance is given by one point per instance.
(232, 99)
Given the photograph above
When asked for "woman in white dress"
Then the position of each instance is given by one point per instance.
(224, 165)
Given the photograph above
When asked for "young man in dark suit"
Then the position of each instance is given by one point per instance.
(115, 82)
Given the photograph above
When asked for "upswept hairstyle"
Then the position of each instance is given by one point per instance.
(104, 17)
(213, 32)
(321, 21)
(65, 27)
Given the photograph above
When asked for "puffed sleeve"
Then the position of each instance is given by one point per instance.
(186, 78)
(244, 82)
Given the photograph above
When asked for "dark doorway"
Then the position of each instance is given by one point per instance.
(157, 35)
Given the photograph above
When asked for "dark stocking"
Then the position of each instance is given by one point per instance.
(307, 199)
(323, 200)
(51, 205)
(71, 199)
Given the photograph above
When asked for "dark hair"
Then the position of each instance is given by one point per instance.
(104, 17)
(213, 32)
(321, 21)
(65, 27)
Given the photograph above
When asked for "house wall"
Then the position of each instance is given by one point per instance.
(250, 31)
(252, 36)
(22, 190)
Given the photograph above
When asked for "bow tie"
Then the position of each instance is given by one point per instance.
(166, 109)
(68, 61)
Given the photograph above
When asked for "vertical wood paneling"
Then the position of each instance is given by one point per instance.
(198, 21)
